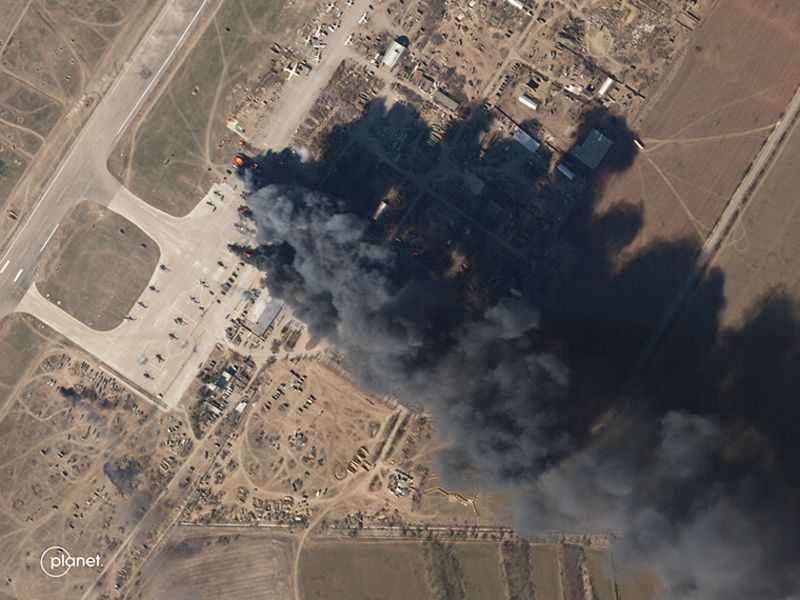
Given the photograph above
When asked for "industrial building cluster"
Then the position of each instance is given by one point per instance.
(461, 126)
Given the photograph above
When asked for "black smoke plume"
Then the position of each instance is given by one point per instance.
(406, 336)
(697, 468)
(689, 493)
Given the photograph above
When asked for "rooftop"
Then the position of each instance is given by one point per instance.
(593, 149)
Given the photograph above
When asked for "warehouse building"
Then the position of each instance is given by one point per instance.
(530, 144)
(593, 149)
(393, 54)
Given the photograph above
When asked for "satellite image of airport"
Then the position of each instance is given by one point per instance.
(400, 299)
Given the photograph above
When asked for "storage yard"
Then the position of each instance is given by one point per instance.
(71, 478)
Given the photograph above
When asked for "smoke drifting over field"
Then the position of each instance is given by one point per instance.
(694, 491)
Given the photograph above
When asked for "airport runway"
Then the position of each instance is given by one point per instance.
(82, 174)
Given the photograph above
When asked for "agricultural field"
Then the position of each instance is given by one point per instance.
(599, 566)
(444, 573)
(637, 584)
(50, 52)
(208, 563)
(462, 571)
(760, 253)
(516, 559)
(480, 564)
(178, 149)
(546, 579)
(712, 118)
(80, 270)
(363, 571)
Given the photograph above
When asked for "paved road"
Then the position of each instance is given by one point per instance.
(723, 226)
(82, 174)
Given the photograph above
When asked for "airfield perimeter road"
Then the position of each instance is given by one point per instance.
(714, 241)
(82, 174)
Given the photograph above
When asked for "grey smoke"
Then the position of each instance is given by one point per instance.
(666, 482)
(400, 337)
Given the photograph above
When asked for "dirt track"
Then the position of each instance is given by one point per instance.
(711, 121)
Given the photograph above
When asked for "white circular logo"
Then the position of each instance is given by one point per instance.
(55, 561)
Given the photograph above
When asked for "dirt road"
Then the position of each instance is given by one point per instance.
(719, 232)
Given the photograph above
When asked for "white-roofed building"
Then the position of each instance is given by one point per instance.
(530, 144)
(393, 54)
(529, 102)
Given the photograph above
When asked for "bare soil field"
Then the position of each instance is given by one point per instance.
(26, 108)
(760, 253)
(546, 569)
(22, 339)
(708, 125)
(363, 571)
(297, 439)
(49, 53)
(81, 270)
(81, 457)
(480, 564)
(178, 148)
(26, 117)
(211, 563)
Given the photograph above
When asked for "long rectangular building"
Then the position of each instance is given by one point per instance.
(530, 144)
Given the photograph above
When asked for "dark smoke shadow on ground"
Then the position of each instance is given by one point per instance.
(700, 470)
(593, 315)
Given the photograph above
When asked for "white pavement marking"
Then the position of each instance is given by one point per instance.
(17, 275)
(49, 237)
(5, 265)
(77, 144)
(163, 66)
